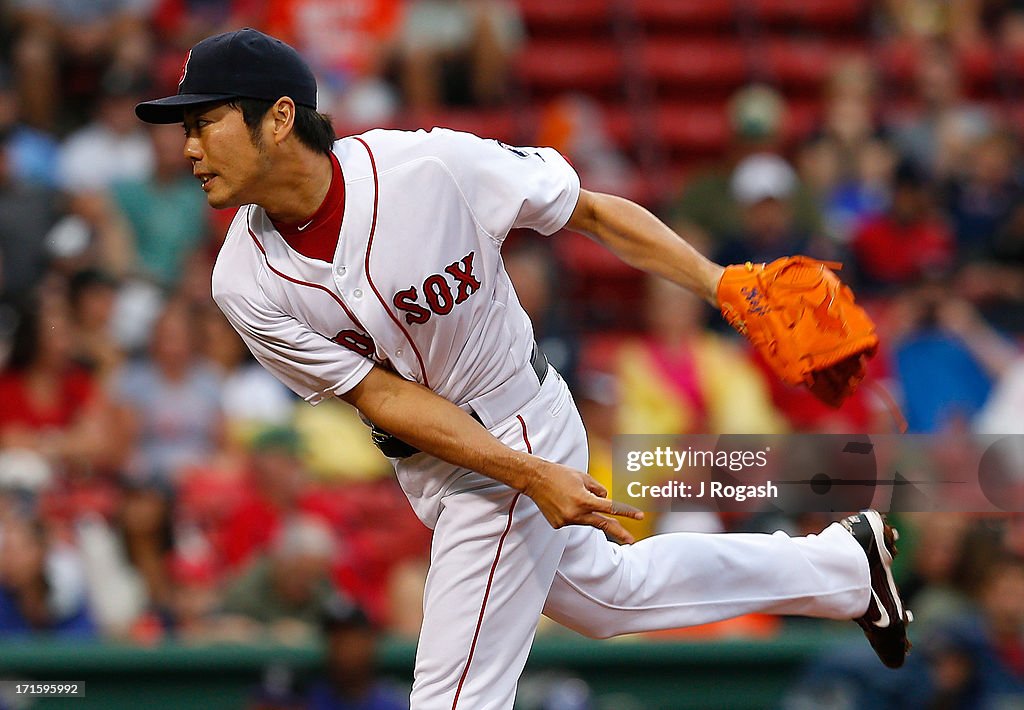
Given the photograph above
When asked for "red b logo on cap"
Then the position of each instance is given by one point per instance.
(184, 68)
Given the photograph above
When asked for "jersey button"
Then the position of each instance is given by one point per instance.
(398, 352)
(340, 271)
(358, 293)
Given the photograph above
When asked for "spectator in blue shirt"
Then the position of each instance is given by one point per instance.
(41, 587)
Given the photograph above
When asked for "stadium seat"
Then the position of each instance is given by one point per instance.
(801, 65)
(555, 65)
(700, 63)
(802, 118)
(558, 17)
(600, 351)
(588, 256)
(1013, 62)
(822, 15)
(980, 65)
(606, 291)
(692, 130)
(620, 124)
(980, 70)
(898, 62)
(685, 15)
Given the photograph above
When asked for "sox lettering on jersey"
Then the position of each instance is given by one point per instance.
(462, 270)
(438, 293)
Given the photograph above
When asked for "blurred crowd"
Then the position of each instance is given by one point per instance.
(156, 483)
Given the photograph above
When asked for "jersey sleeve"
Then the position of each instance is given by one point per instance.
(510, 187)
(311, 365)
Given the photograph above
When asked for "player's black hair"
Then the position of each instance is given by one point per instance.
(314, 130)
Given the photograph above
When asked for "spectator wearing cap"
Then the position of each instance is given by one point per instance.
(756, 114)
(764, 187)
(377, 528)
(909, 241)
(277, 488)
(286, 590)
(350, 682)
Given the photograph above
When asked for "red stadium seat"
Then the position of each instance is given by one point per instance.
(1014, 114)
(802, 118)
(898, 62)
(979, 68)
(600, 351)
(685, 14)
(562, 16)
(587, 256)
(620, 124)
(802, 64)
(1014, 63)
(580, 65)
(695, 63)
(692, 130)
(846, 15)
(606, 290)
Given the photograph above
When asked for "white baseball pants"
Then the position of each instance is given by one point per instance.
(496, 565)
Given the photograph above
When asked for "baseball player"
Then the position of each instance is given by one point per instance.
(369, 268)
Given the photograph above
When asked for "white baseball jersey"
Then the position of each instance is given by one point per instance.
(417, 282)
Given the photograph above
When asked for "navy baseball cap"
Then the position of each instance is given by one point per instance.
(242, 64)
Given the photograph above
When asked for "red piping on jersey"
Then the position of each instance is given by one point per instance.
(487, 592)
(366, 264)
(286, 277)
(522, 423)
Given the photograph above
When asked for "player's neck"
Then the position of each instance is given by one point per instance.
(298, 187)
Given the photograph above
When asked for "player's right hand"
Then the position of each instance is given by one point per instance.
(569, 497)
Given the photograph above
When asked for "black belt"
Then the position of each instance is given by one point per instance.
(394, 448)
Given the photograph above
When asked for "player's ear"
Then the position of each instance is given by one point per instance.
(282, 115)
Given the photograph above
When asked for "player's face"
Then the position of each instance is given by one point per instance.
(226, 161)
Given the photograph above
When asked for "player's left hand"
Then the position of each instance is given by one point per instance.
(569, 497)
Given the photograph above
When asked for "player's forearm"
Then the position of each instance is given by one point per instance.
(645, 242)
(434, 425)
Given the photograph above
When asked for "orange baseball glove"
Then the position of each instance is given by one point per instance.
(803, 320)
